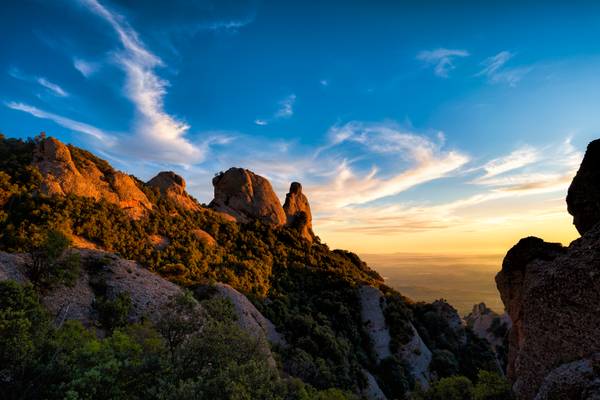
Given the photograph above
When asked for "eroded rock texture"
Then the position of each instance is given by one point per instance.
(297, 211)
(82, 174)
(172, 186)
(247, 196)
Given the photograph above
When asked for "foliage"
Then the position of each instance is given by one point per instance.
(489, 386)
(51, 264)
(113, 313)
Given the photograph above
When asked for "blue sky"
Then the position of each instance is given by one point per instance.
(410, 126)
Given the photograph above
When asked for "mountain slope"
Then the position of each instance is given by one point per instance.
(310, 293)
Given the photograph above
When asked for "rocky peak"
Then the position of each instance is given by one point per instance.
(172, 186)
(297, 211)
(583, 198)
(247, 196)
(83, 174)
(551, 295)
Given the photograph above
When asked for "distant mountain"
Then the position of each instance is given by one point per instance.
(116, 288)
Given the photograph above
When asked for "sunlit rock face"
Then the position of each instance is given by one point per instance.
(247, 196)
(297, 211)
(63, 174)
(552, 295)
(172, 186)
(583, 198)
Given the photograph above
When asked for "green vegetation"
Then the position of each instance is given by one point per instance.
(489, 386)
(307, 290)
(216, 360)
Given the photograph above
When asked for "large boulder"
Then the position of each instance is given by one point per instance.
(552, 295)
(297, 211)
(172, 186)
(583, 198)
(247, 196)
(82, 174)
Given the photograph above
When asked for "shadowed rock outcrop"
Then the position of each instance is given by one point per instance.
(583, 198)
(297, 211)
(172, 186)
(247, 196)
(552, 295)
(114, 275)
(82, 174)
(415, 352)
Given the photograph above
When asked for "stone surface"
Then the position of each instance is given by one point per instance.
(552, 295)
(372, 391)
(484, 323)
(575, 380)
(249, 318)
(450, 315)
(415, 353)
(297, 211)
(373, 320)
(247, 196)
(63, 176)
(172, 186)
(583, 198)
(148, 291)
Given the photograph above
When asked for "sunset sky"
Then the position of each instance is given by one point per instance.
(434, 128)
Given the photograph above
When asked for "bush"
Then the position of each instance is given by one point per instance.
(492, 386)
(51, 263)
(114, 313)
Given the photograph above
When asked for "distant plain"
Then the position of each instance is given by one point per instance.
(463, 280)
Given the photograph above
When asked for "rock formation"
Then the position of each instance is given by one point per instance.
(148, 291)
(247, 196)
(444, 310)
(82, 176)
(297, 211)
(583, 198)
(488, 325)
(552, 295)
(172, 186)
(415, 353)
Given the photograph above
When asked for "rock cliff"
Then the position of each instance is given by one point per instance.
(552, 295)
(82, 174)
(172, 186)
(583, 198)
(246, 196)
(297, 211)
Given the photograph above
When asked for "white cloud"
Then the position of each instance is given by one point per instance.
(286, 107)
(517, 159)
(158, 135)
(86, 68)
(495, 70)
(63, 121)
(54, 88)
(441, 59)
(285, 110)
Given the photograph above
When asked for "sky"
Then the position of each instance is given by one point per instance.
(422, 128)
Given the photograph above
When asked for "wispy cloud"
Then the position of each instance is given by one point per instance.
(285, 110)
(494, 68)
(324, 82)
(63, 121)
(52, 87)
(158, 134)
(86, 68)
(519, 158)
(441, 59)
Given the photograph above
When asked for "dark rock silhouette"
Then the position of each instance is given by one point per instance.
(552, 295)
(583, 198)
